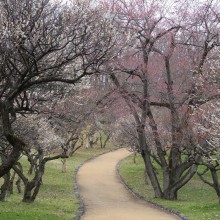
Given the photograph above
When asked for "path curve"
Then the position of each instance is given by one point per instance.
(105, 197)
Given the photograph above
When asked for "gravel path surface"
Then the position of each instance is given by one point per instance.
(106, 198)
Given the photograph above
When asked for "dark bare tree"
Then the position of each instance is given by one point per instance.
(44, 45)
(156, 75)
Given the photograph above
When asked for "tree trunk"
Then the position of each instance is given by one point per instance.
(216, 185)
(4, 187)
(106, 141)
(31, 190)
(170, 194)
(16, 143)
(134, 157)
(89, 142)
(19, 170)
(103, 144)
(36, 190)
(11, 184)
(32, 187)
(64, 167)
(177, 179)
(18, 184)
(73, 145)
(31, 168)
(27, 192)
(152, 175)
(146, 178)
(100, 140)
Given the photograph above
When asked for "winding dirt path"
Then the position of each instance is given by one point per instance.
(105, 197)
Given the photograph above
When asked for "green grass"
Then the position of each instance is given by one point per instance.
(56, 199)
(196, 200)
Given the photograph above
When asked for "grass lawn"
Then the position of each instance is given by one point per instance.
(197, 200)
(56, 199)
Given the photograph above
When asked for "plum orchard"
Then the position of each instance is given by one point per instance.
(165, 53)
(44, 47)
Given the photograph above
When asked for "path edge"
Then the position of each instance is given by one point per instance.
(157, 205)
(81, 210)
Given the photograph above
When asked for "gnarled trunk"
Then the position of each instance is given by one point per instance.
(16, 143)
(152, 175)
(170, 194)
(32, 187)
(31, 190)
(4, 187)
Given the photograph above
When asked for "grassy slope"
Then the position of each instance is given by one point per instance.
(56, 199)
(196, 200)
